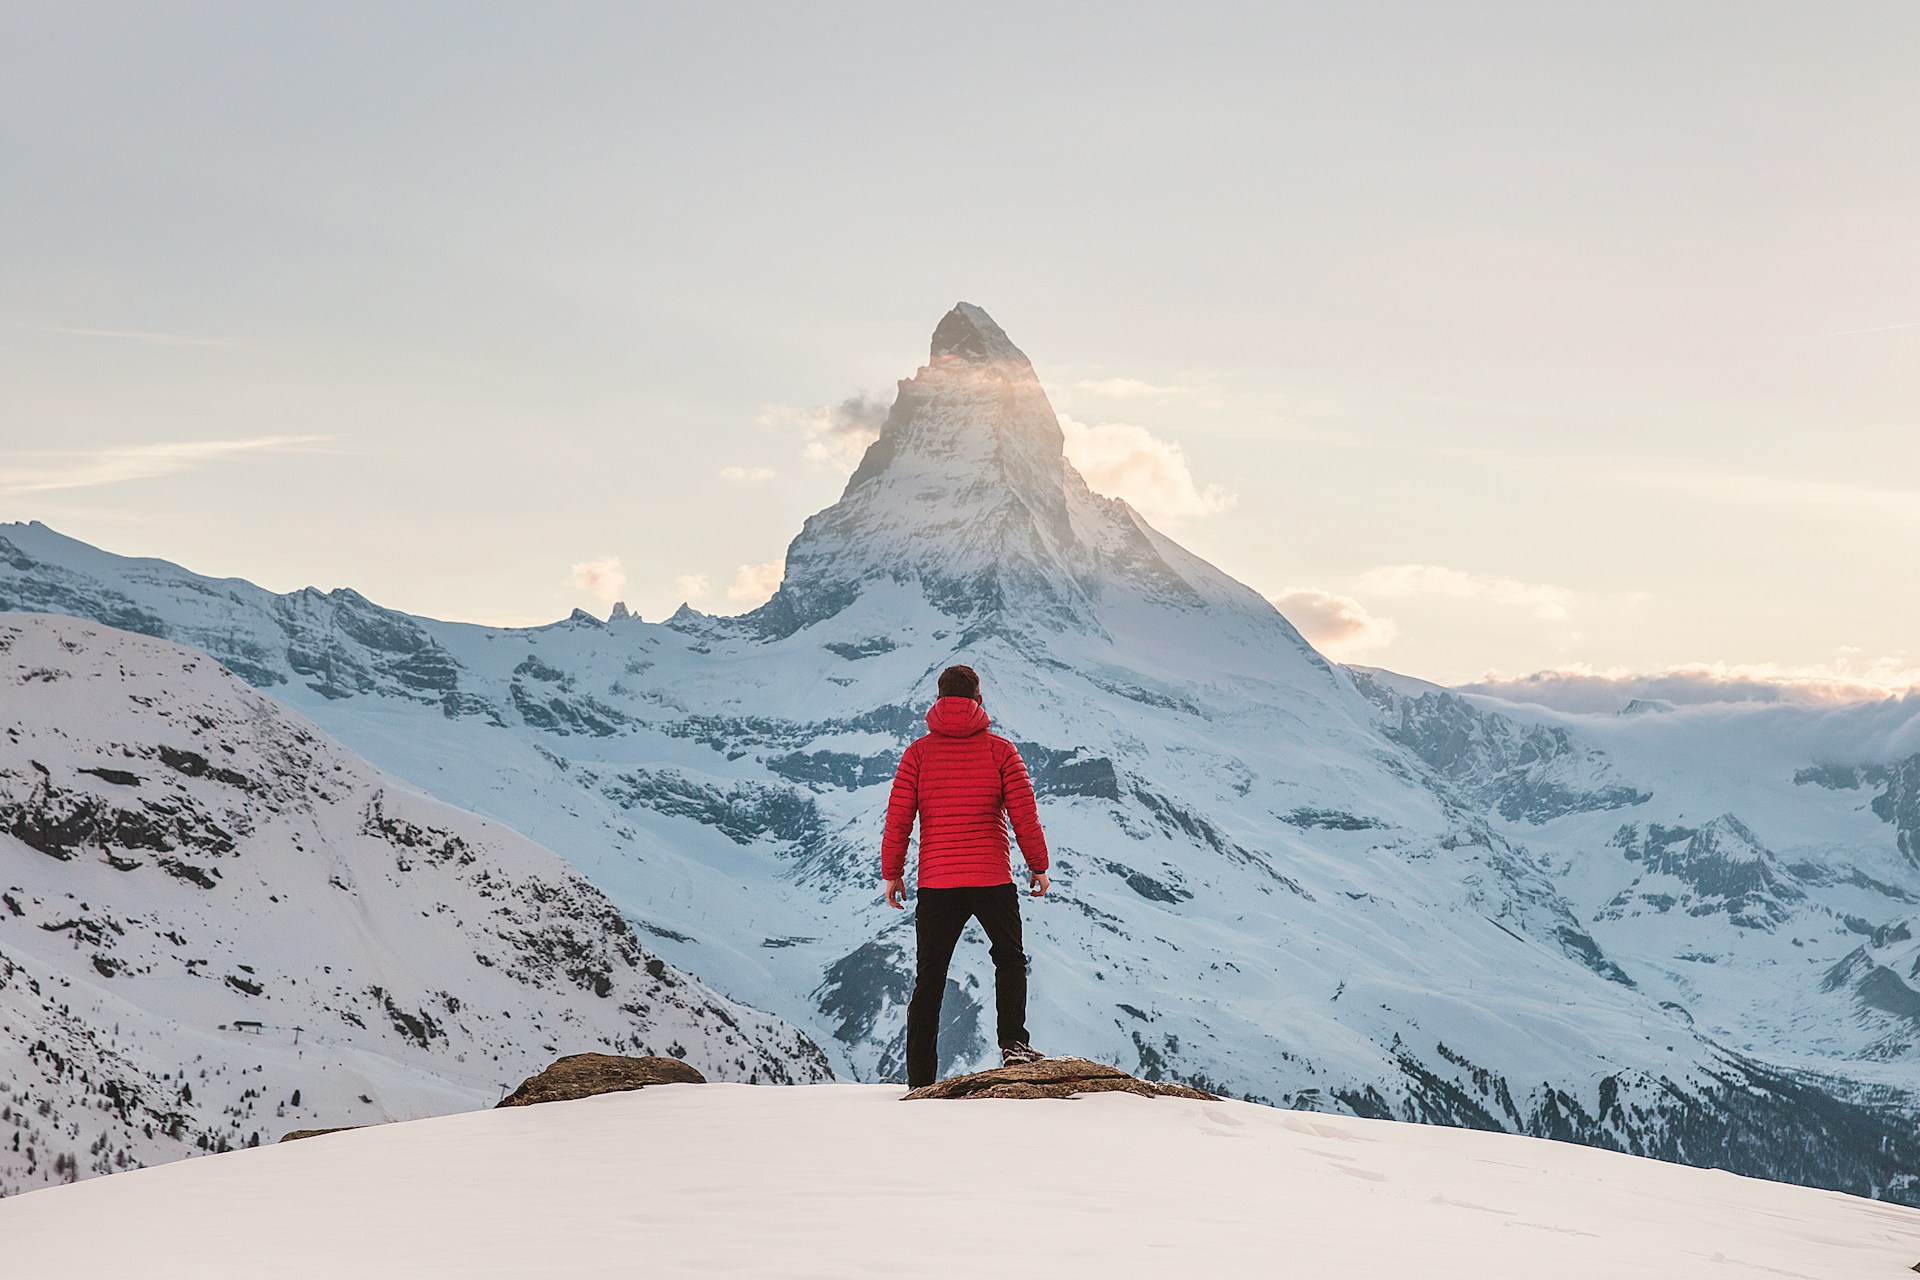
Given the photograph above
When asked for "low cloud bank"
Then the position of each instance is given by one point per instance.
(1580, 689)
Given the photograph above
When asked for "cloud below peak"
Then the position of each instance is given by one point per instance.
(754, 584)
(835, 436)
(1151, 474)
(1338, 626)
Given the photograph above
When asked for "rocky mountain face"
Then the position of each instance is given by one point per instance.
(217, 925)
(967, 500)
(1720, 868)
(1523, 773)
(1898, 801)
(1275, 878)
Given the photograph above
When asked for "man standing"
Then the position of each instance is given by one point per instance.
(966, 785)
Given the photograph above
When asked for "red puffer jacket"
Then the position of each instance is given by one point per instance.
(965, 784)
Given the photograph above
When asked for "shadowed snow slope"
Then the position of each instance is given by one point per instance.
(217, 925)
(833, 1181)
(1274, 878)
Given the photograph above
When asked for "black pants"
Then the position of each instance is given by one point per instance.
(939, 916)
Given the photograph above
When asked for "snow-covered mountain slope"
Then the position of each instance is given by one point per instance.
(217, 925)
(1275, 878)
(839, 1180)
(1764, 879)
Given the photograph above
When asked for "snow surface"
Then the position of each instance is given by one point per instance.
(837, 1181)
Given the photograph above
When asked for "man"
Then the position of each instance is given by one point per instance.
(965, 785)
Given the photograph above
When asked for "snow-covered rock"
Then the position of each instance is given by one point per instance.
(217, 925)
(837, 1180)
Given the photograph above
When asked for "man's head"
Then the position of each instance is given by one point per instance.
(960, 682)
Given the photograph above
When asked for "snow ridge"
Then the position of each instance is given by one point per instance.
(216, 925)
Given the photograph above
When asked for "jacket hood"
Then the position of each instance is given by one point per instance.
(957, 717)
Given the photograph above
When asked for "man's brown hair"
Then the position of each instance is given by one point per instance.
(960, 682)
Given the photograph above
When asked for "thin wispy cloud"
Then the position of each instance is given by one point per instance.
(693, 586)
(148, 336)
(1541, 599)
(49, 470)
(604, 578)
(1129, 389)
(1152, 475)
(1662, 473)
(1782, 491)
(745, 474)
(1848, 333)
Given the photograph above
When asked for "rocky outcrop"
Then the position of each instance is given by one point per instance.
(582, 1075)
(297, 1134)
(1053, 1078)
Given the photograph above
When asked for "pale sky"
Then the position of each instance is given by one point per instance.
(1488, 337)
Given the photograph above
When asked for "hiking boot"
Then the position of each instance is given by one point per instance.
(1018, 1052)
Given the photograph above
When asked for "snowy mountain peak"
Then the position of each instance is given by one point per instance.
(968, 501)
(974, 415)
(968, 335)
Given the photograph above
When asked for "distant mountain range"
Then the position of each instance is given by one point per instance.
(1686, 934)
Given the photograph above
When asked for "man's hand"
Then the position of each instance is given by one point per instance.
(1039, 883)
(896, 893)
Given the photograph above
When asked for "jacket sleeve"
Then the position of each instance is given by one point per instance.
(902, 804)
(1022, 812)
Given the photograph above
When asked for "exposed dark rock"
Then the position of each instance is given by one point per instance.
(742, 811)
(859, 986)
(1739, 1115)
(1532, 773)
(835, 768)
(865, 649)
(1149, 888)
(298, 1134)
(1897, 803)
(582, 1075)
(195, 765)
(1072, 772)
(1053, 1078)
(1331, 820)
(1718, 868)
